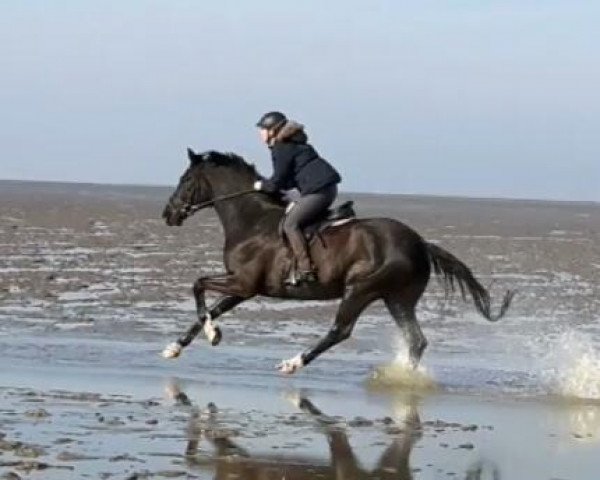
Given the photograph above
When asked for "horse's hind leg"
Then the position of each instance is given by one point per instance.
(405, 317)
(350, 308)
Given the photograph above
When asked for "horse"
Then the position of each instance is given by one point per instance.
(360, 261)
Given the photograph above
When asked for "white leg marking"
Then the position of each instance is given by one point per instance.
(172, 350)
(292, 365)
(209, 328)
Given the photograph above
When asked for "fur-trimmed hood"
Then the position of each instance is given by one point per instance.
(291, 132)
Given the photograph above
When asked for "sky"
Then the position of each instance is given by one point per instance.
(469, 98)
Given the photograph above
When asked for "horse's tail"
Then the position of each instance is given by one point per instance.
(455, 271)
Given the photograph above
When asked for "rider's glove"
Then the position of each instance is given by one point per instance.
(258, 185)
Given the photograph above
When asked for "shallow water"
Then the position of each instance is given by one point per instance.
(156, 414)
(93, 286)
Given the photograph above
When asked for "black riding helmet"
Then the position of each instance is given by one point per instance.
(271, 120)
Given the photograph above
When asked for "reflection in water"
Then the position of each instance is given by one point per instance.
(229, 460)
(483, 471)
(232, 461)
(584, 422)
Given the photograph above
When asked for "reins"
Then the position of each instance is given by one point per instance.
(190, 209)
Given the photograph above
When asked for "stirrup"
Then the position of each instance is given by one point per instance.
(297, 278)
(309, 276)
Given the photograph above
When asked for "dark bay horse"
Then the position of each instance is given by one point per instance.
(360, 261)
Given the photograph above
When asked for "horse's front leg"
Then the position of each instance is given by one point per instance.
(205, 319)
(204, 322)
(234, 296)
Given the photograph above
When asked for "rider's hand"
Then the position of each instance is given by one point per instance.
(258, 185)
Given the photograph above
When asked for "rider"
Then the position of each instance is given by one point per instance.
(296, 164)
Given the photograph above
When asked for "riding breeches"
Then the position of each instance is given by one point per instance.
(306, 210)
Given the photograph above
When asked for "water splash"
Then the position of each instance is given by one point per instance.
(399, 375)
(568, 364)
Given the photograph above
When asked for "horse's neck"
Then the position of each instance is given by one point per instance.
(239, 216)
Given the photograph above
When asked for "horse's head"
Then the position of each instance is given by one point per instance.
(193, 189)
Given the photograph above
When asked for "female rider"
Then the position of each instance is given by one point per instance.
(296, 164)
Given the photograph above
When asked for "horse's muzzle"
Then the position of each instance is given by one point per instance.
(173, 216)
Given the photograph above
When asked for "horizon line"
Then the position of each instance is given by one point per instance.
(343, 192)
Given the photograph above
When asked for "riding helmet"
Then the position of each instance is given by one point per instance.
(271, 120)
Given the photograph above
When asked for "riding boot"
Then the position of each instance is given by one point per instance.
(304, 271)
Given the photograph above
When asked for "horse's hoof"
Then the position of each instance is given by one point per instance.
(172, 350)
(292, 365)
(216, 338)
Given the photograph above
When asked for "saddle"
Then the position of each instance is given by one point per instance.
(330, 218)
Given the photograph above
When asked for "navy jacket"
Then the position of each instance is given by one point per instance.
(296, 164)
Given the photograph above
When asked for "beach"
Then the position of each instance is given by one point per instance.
(93, 286)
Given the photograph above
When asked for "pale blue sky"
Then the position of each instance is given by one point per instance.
(473, 98)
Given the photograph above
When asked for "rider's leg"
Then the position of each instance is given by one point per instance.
(298, 245)
(307, 209)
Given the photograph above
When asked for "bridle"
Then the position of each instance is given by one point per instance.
(192, 208)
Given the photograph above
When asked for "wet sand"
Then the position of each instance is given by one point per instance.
(93, 286)
(79, 422)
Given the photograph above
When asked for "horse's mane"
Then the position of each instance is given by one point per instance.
(238, 164)
(231, 160)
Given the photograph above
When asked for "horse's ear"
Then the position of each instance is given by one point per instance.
(194, 158)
